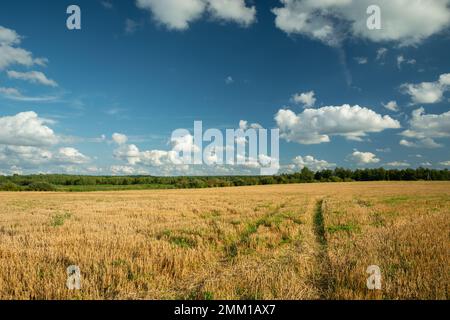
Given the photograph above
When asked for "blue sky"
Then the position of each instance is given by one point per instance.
(144, 68)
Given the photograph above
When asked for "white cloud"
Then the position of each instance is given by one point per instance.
(133, 156)
(243, 124)
(425, 128)
(444, 79)
(314, 126)
(8, 36)
(232, 10)
(71, 155)
(122, 170)
(311, 163)
(381, 54)
(129, 153)
(398, 164)
(119, 138)
(32, 157)
(15, 94)
(178, 14)
(174, 14)
(24, 155)
(27, 142)
(391, 105)
(363, 158)
(422, 143)
(10, 91)
(330, 21)
(306, 98)
(32, 76)
(11, 54)
(94, 169)
(229, 80)
(445, 163)
(155, 157)
(401, 59)
(428, 92)
(183, 144)
(361, 60)
(26, 129)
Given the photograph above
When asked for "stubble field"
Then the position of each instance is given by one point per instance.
(309, 241)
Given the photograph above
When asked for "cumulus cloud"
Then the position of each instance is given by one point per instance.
(314, 126)
(427, 92)
(26, 129)
(119, 138)
(129, 153)
(178, 14)
(11, 54)
(178, 159)
(174, 14)
(363, 158)
(24, 155)
(232, 10)
(244, 125)
(424, 128)
(71, 155)
(392, 105)
(33, 157)
(311, 163)
(307, 99)
(32, 76)
(155, 158)
(26, 141)
(8, 36)
(330, 21)
(445, 163)
(122, 170)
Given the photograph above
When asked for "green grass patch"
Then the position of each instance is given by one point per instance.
(59, 219)
(395, 200)
(182, 241)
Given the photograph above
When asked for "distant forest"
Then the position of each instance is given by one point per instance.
(60, 182)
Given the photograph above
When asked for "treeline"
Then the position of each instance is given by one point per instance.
(55, 182)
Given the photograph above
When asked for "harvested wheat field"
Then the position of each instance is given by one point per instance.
(309, 241)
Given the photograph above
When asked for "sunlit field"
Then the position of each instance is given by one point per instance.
(308, 241)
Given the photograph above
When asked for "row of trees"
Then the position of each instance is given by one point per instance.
(53, 181)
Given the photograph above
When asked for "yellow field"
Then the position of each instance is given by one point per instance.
(310, 241)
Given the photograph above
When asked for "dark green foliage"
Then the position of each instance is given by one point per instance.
(9, 186)
(40, 186)
(61, 182)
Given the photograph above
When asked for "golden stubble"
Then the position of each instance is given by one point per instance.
(258, 242)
